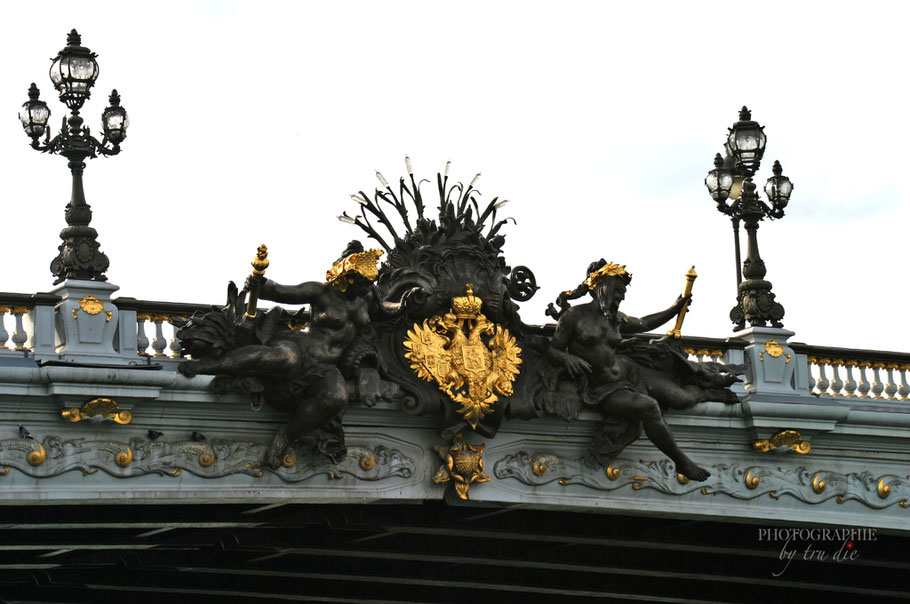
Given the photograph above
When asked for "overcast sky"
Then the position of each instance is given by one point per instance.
(253, 122)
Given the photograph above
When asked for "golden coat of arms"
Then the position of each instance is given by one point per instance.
(451, 350)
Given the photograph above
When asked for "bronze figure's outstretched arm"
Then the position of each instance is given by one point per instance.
(302, 293)
(630, 325)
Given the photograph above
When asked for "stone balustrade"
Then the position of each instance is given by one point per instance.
(29, 327)
(144, 329)
(19, 335)
(857, 373)
(718, 350)
(155, 336)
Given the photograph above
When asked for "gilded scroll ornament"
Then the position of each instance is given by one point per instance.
(368, 461)
(818, 485)
(882, 489)
(541, 463)
(105, 407)
(751, 481)
(462, 464)
(450, 350)
(36, 458)
(786, 438)
(124, 458)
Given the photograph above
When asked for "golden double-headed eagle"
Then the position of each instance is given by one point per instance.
(451, 351)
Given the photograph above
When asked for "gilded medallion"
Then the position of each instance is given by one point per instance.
(470, 359)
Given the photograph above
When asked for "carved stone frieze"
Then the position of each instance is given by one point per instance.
(738, 481)
(206, 459)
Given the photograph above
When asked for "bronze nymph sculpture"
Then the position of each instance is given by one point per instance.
(631, 384)
(304, 372)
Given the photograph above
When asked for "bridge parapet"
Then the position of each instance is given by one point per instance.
(131, 427)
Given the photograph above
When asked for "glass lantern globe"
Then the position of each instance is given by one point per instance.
(74, 71)
(114, 120)
(34, 114)
(746, 142)
(778, 188)
(719, 181)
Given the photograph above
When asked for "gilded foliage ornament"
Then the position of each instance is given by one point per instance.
(461, 463)
(450, 350)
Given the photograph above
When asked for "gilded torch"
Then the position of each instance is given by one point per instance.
(260, 263)
(690, 279)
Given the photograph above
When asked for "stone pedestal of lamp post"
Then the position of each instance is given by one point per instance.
(86, 322)
(771, 365)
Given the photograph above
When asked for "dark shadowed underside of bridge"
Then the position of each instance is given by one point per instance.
(431, 552)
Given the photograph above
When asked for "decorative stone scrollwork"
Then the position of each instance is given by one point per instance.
(21, 451)
(741, 482)
(208, 459)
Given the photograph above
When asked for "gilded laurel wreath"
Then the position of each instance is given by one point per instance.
(451, 351)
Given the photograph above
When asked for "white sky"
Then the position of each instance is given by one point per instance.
(253, 122)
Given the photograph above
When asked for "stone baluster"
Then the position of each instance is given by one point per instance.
(836, 383)
(822, 383)
(19, 336)
(142, 341)
(904, 388)
(850, 384)
(891, 387)
(175, 346)
(864, 382)
(4, 335)
(812, 361)
(159, 344)
(878, 387)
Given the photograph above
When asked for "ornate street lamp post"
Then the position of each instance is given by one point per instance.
(73, 73)
(731, 179)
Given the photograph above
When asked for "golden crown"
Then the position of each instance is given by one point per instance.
(361, 263)
(467, 306)
(607, 270)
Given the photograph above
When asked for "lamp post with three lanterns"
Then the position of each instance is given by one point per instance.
(730, 185)
(73, 73)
